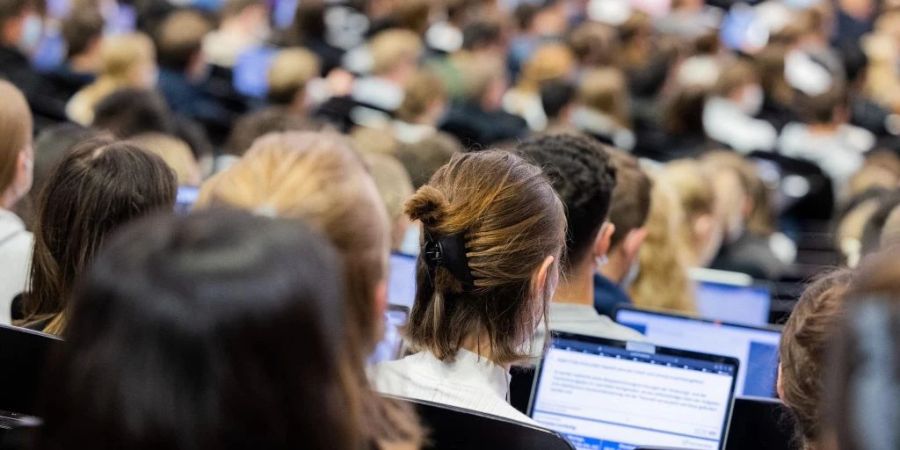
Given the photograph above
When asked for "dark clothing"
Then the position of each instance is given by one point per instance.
(66, 83)
(608, 295)
(751, 255)
(476, 128)
(190, 99)
(339, 111)
(46, 108)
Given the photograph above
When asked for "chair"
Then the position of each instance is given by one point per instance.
(23, 354)
(759, 423)
(460, 429)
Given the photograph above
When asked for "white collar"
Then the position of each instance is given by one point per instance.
(378, 92)
(471, 369)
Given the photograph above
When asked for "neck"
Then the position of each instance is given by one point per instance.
(84, 63)
(578, 286)
(481, 345)
(616, 269)
(823, 128)
(8, 199)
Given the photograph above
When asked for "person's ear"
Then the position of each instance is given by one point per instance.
(381, 300)
(779, 386)
(546, 273)
(604, 240)
(633, 241)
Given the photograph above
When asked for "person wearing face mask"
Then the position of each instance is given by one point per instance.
(244, 26)
(629, 208)
(16, 161)
(729, 113)
(20, 31)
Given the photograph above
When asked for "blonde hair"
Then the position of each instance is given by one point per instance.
(663, 281)
(693, 189)
(393, 47)
(548, 62)
(289, 73)
(605, 90)
(507, 218)
(15, 130)
(175, 152)
(395, 188)
(420, 93)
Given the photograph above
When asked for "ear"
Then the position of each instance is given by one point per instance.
(381, 301)
(544, 275)
(779, 387)
(633, 241)
(703, 226)
(604, 239)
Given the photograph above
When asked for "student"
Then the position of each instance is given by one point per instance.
(317, 177)
(243, 26)
(584, 178)
(97, 187)
(395, 188)
(288, 77)
(628, 213)
(424, 158)
(82, 31)
(728, 116)
(176, 154)
(423, 107)
(549, 62)
(493, 232)
(701, 230)
(127, 61)
(16, 165)
(219, 330)
(804, 344)
(602, 109)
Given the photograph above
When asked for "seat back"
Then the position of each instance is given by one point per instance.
(759, 423)
(23, 355)
(453, 428)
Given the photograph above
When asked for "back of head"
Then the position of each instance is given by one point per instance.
(166, 333)
(175, 152)
(259, 123)
(422, 90)
(289, 73)
(700, 228)
(823, 108)
(129, 112)
(394, 187)
(97, 187)
(595, 44)
(631, 197)
(605, 91)
(479, 73)
(121, 55)
(392, 48)
(555, 97)
(81, 29)
(51, 145)
(15, 130)
(803, 350)
(319, 178)
(584, 178)
(425, 157)
(179, 38)
(490, 221)
(548, 62)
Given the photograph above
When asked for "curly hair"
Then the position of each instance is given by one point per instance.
(584, 177)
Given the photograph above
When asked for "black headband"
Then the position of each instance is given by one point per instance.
(449, 252)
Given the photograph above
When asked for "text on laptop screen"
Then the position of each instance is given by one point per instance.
(747, 305)
(755, 348)
(607, 397)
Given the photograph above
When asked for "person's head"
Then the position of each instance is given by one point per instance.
(557, 97)
(82, 31)
(129, 112)
(175, 152)
(701, 228)
(318, 177)
(20, 24)
(734, 179)
(628, 212)
(584, 178)
(413, 15)
(424, 158)
(424, 100)
(247, 17)
(129, 60)
(483, 35)
(16, 153)
(97, 187)
(259, 123)
(395, 54)
(804, 344)
(876, 223)
(662, 280)
(222, 323)
(394, 187)
(483, 80)
(179, 41)
(605, 91)
(50, 146)
(548, 62)
(827, 108)
(595, 44)
(493, 231)
(740, 84)
(288, 75)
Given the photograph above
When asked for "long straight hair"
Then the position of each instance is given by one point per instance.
(97, 187)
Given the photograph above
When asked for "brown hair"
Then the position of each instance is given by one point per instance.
(548, 62)
(595, 44)
(421, 92)
(175, 152)
(735, 75)
(81, 29)
(319, 178)
(509, 219)
(630, 198)
(180, 37)
(803, 346)
(393, 47)
(425, 157)
(98, 186)
(289, 73)
(606, 91)
(15, 131)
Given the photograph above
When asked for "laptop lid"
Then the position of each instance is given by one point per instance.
(755, 347)
(732, 297)
(391, 345)
(760, 423)
(605, 394)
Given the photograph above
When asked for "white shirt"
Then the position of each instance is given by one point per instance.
(16, 245)
(726, 123)
(584, 319)
(839, 154)
(470, 381)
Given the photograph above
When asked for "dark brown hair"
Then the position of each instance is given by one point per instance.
(180, 37)
(98, 186)
(509, 219)
(80, 29)
(630, 205)
(804, 343)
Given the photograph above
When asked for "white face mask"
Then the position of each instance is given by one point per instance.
(32, 31)
(633, 271)
(751, 100)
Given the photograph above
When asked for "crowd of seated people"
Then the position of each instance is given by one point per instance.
(219, 207)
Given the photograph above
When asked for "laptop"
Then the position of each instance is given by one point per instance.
(23, 356)
(755, 347)
(732, 297)
(760, 423)
(391, 345)
(615, 395)
(402, 280)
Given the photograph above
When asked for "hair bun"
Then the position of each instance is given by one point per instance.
(428, 205)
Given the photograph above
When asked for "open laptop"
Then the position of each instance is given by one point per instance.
(391, 345)
(732, 297)
(613, 395)
(755, 347)
(760, 423)
(402, 280)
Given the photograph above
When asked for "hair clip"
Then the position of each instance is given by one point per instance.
(449, 252)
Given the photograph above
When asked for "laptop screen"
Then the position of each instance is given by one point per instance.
(730, 303)
(604, 394)
(391, 345)
(402, 280)
(755, 348)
